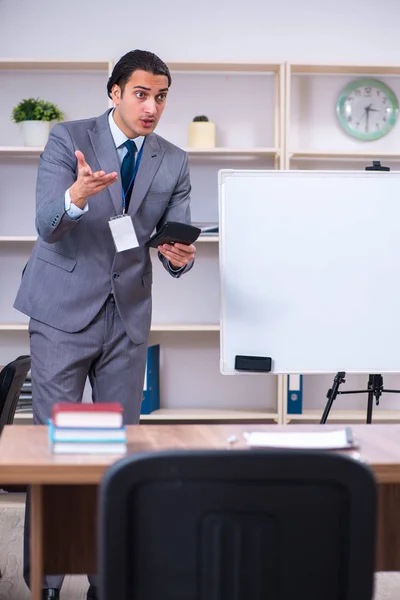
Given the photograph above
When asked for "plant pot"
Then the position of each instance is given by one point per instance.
(36, 133)
(201, 134)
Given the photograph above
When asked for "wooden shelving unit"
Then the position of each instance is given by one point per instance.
(280, 151)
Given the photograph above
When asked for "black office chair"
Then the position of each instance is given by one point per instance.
(237, 525)
(12, 377)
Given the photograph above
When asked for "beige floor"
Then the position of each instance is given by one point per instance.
(12, 586)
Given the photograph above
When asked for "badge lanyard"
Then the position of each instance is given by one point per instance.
(135, 170)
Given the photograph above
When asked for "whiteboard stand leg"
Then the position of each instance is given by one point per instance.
(332, 394)
(375, 388)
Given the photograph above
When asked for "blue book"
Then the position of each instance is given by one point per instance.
(85, 434)
(294, 394)
(151, 387)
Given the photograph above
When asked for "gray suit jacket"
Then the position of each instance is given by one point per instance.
(74, 265)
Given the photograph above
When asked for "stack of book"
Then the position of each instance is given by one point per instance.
(87, 429)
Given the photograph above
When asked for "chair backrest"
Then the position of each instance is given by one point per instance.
(12, 378)
(237, 525)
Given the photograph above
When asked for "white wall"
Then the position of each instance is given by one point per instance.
(360, 31)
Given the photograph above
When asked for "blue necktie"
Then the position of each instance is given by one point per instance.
(127, 168)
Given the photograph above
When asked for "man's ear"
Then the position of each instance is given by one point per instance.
(116, 92)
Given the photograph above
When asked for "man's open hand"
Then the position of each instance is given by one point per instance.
(88, 183)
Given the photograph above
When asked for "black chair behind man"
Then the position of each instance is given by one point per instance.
(237, 525)
(12, 377)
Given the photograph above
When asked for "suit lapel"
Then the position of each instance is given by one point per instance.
(106, 154)
(149, 164)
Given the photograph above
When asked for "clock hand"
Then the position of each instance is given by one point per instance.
(367, 109)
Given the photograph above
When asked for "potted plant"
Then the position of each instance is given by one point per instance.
(35, 116)
(201, 133)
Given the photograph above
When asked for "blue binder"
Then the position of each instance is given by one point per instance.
(151, 388)
(294, 394)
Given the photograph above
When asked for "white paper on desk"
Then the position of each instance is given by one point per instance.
(321, 440)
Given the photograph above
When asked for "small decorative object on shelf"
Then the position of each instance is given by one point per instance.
(367, 109)
(35, 116)
(201, 133)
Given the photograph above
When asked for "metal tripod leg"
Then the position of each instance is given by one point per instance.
(375, 389)
(370, 398)
(332, 393)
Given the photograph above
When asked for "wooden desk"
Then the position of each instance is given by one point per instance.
(64, 488)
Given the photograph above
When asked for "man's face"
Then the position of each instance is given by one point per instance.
(139, 108)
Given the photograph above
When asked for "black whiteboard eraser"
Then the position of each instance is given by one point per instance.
(258, 364)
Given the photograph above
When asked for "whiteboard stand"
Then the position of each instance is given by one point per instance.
(375, 390)
(288, 304)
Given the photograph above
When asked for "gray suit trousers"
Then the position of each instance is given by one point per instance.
(61, 363)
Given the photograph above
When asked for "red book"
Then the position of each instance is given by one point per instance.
(106, 414)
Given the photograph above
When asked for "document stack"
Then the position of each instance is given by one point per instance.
(87, 429)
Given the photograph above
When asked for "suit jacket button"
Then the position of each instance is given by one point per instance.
(115, 275)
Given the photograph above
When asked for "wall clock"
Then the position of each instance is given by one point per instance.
(367, 109)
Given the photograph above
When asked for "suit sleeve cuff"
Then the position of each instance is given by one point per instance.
(174, 269)
(73, 211)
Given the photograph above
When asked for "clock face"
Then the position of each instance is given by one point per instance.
(367, 109)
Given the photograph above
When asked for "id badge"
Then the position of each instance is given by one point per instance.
(123, 233)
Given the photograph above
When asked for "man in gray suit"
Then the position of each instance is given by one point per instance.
(89, 305)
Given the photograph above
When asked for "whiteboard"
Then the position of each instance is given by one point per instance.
(310, 270)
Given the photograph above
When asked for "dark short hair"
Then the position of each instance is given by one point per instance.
(134, 61)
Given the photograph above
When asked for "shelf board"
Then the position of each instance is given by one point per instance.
(23, 416)
(345, 155)
(54, 65)
(261, 151)
(177, 327)
(212, 414)
(345, 69)
(193, 414)
(21, 151)
(33, 238)
(347, 415)
(207, 238)
(252, 67)
(18, 238)
(13, 326)
(172, 327)
(205, 414)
